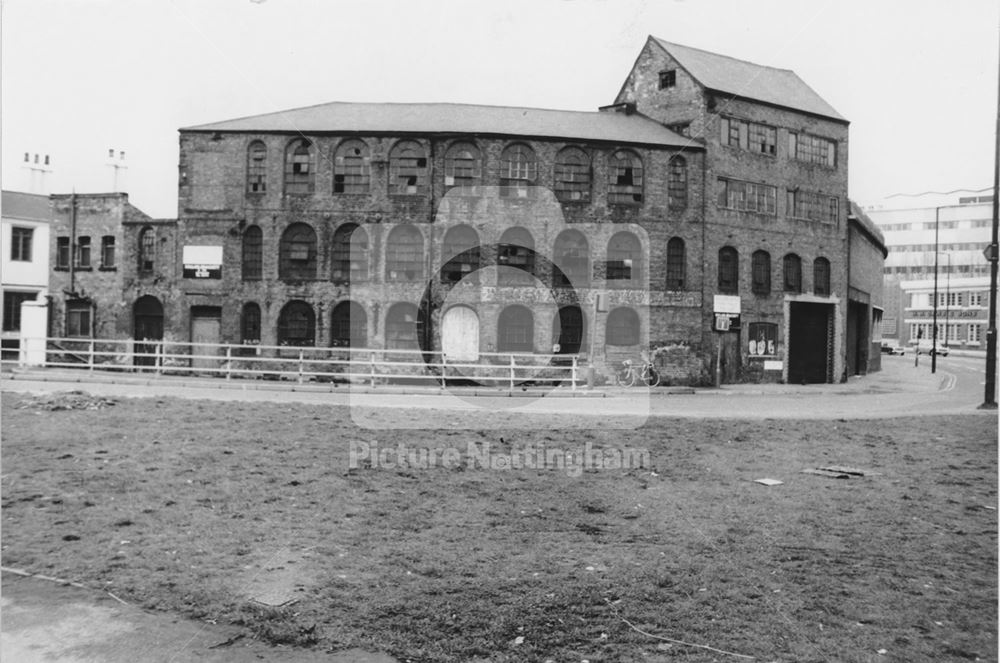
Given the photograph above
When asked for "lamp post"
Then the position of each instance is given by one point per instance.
(937, 228)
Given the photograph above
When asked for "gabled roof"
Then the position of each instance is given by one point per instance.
(445, 118)
(26, 206)
(778, 87)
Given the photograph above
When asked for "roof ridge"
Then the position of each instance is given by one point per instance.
(664, 42)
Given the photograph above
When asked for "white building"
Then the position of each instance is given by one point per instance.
(24, 257)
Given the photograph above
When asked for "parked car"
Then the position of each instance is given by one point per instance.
(892, 348)
(924, 348)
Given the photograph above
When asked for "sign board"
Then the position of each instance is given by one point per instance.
(727, 304)
(990, 252)
(202, 262)
(726, 322)
(773, 365)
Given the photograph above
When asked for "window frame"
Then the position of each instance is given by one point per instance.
(256, 168)
(621, 332)
(352, 172)
(400, 157)
(676, 264)
(760, 276)
(21, 239)
(791, 269)
(729, 270)
(626, 164)
(822, 276)
(573, 180)
(518, 170)
(252, 254)
(108, 252)
(738, 195)
(769, 332)
(300, 168)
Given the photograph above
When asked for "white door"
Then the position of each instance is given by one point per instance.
(460, 334)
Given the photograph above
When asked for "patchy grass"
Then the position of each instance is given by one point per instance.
(189, 506)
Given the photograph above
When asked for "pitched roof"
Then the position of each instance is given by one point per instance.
(445, 118)
(27, 206)
(780, 87)
(858, 216)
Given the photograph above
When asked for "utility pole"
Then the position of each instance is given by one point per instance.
(990, 392)
(934, 326)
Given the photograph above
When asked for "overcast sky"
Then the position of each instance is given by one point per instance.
(916, 78)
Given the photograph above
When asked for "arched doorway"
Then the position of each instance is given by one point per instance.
(147, 329)
(460, 334)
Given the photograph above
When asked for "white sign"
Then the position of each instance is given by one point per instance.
(203, 255)
(773, 365)
(727, 304)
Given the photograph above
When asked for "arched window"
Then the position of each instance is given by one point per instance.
(462, 168)
(625, 183)
(571, 255)
(821, 276)
(729, 270)
(297, 253)
(299, 176)
(516, 257)
(518, 171)
(351, 167)
(622, 327)
(147, 249)
(568, 329)
(676, 264)
(253, 253)
(793, 273)
(572, 175)
(350, 254)
(460, 254)
(677, 195)
(250, 324)
(760, 268)
(257, 167)
(348, 325)
(624, 266)
(404, 254)
(407, 169)
(516, 330)
(297, 324)
(401, 327)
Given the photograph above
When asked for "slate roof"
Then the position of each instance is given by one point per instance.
(446, 118)
(779, 87)
(26, 206)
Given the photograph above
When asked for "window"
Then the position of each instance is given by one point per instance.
(108, 252)
(147, 249)
(460, 254)
(622, 327)
(401, 327)
(676, 264)
(515, 330)
(462, 168)
(760, 266)
(624, 253)
(748, 196)
(20, 243)
(625, 185)
(751, 136)
(976, 298)
(351, 167)
(250, 324)
(12, 301)
(572, 175)
(348, 325)
(821, 276)
(253, 254)
(571, 255)
(812, 149)
(297, 253)
(256, 167)
(762, 339)
(668, 79)
(793, 273)
(297, 324)
(407, 169)
(975, 333)
(404, 254)
(677, 196)
(516, 257)
(62, 252)
(518, 171)
(78, 319)
(299, 176)
(682, 128)
(729, 270)
(812, 206)
(350, 254)
(83, 252)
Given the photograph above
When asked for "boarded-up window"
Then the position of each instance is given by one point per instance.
(677, 186)
(572, 175)
(821, 276)
(729, 270)
(253, 253)
(515, 330)
(351, 167)
(622, 327)
(408, 169)
(760, 266)
(257, 167)
(462, 168)
(625, 184)
(404, 254)
(297, 253)
(518, 171)
(572, 257)
(300, 178)
(793, 273)
(676, 264)
(297, 324)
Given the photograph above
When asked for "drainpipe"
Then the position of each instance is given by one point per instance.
(72, 244)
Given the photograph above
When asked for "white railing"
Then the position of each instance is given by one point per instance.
(363, 366)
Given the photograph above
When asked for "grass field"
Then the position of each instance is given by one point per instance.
(197, 507)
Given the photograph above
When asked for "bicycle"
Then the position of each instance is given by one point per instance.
(627, 375)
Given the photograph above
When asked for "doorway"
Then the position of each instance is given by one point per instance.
(147, 329)
(810, 343)
(206, 330)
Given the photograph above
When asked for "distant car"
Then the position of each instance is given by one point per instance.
(925, 348)
(892, 348)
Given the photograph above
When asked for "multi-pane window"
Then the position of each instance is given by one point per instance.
(12, 301)
(462, 168)
(762, 339)
(625, 173)
(752, 136)
(401, 327)
(250, 324)
(78, 319)
(83, 252)
(348, 325)
(299, 176)
(516, 330)
(624, 252)
(20, 243)
(571, 255)
(812, 149)
(622, 327)
(792, 273)
(518, 171)
(460, 254)
(668, 79)
(62, 252)
(147, 249)
(297, 253)
(350, 254)
(676, 264)
(976, 299)
(404, 254)
(729, 270)
(677, 186)
(813, 206)
(407, 169)
(975, 333)
(253, 254)
(257, 167)
(108, 252)
(760, 268)
(297, 324)
(351, 167)
(748, 196)
(516, 257)
(821, 276)
(572, 175)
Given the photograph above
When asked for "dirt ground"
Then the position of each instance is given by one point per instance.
(251, 514)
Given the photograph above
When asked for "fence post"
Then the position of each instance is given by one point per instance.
(371, 368)
(90, 358)
(229, 362)
(512, 372)
(444, 371)
(301, 357)
(158, 358)
(573, 370)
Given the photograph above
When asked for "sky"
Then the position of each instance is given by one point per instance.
(916, 78)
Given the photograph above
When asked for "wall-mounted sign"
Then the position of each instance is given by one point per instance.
(202, 262)
(727, 322)
(726, 304)
(773, 365)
